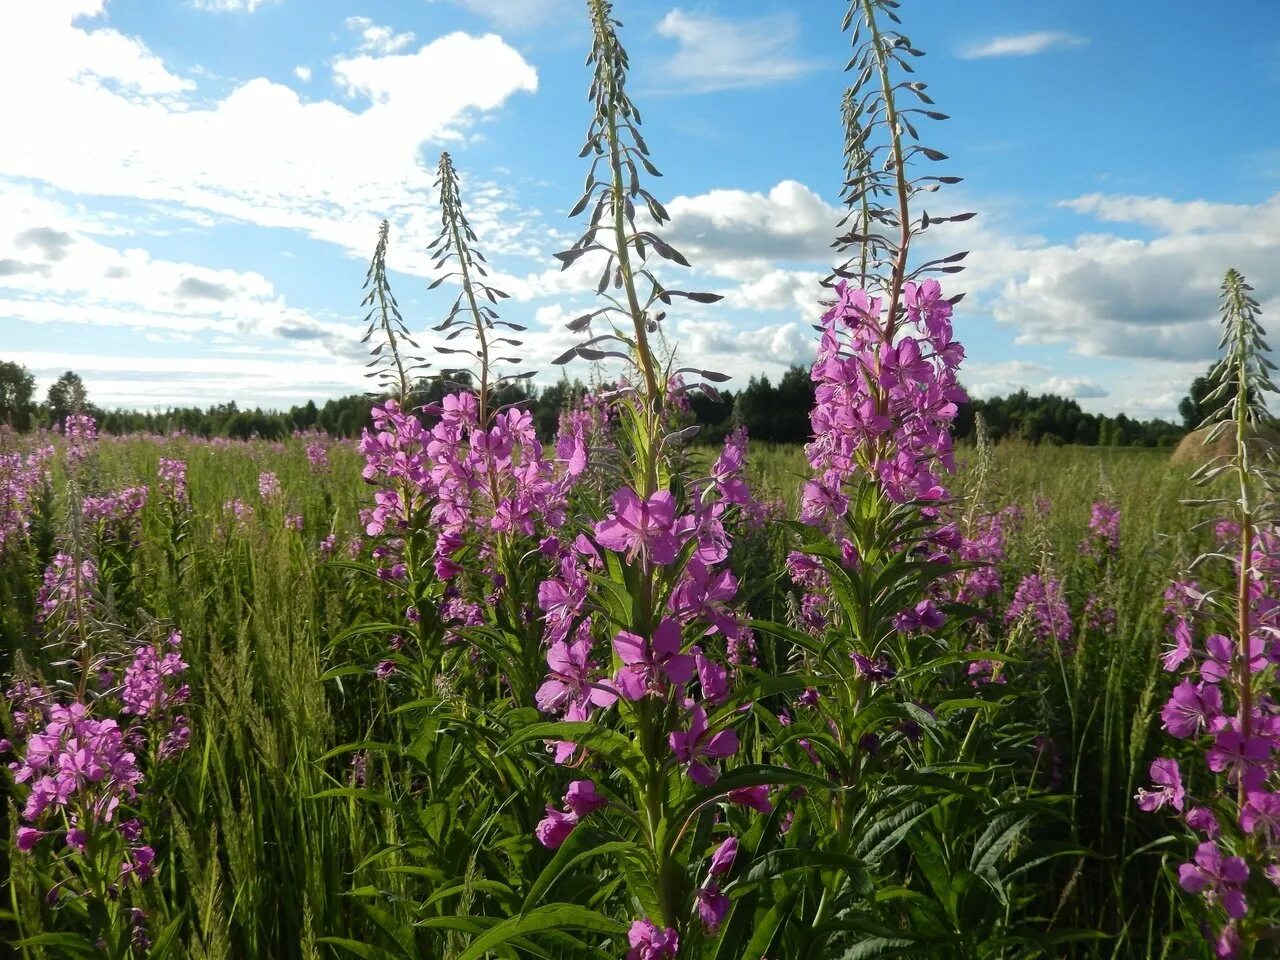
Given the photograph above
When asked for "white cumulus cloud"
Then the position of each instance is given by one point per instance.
(375, 38)
(715, 53)
(130, 127)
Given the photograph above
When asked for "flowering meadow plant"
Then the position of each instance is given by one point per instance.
(1226, 645)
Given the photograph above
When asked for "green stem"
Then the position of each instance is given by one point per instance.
(477, 316)
(380, 286)
(644, 356)
(900, 171)
(1246, 557)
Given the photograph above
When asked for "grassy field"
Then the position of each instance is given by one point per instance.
(273, 830)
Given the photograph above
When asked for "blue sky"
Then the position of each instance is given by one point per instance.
(189, 191)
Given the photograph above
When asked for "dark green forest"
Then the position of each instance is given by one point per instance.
(773, 413)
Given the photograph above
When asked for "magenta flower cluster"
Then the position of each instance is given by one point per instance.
(66, 593)
(1222, 705)
(985, 546)
(884, 401)
(80, 430)
(469, 480)
(80, 770)
(396, 461)
(583, 428)
(268, 486)
(581, 800)
(117, 516)
(1039, 602)
(152, 688)
(668, 677)
(493, 476)
(318, 457)
(22, 477)
(1103, 537)
(172, 475)
(650, 942)
(649, 533)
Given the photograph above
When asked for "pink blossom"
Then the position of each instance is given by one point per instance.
(697, 745)
(1168, 780)
(648, 663)
(1218, 878)
(650, 942)
(572, 679)
(757, 798)
(554, 829)
(1261, 811)
(583, 800)
(1193, 709)
(640, 527)
(713, 907)
(722, 859)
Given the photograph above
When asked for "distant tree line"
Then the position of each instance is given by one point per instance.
(781, 414)
(1057, 420)
(771, 413)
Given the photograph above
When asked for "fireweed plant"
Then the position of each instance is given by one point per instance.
(739, 798)
(1225, 646)
(899, 712)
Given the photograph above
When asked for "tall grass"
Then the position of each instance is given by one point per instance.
(264, 840)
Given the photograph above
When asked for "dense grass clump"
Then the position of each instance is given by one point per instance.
(274, 828)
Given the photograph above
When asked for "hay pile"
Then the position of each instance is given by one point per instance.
(1192, 451)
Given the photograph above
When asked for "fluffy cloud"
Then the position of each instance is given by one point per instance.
(88, 281)
(779, 290)
(1078, 388)
(713, 53)
(51, 243)
(993, 379)
(743, 353)
(1022, 45)
(1153, 298)
(378, 39)
(744, 235)
(1149, 299)
(154, 139)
